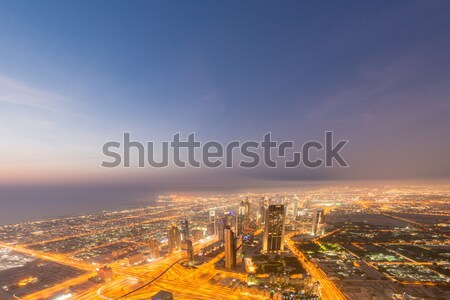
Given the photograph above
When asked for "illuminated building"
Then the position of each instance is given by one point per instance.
(105, 273)
(230, 248)
(240, 218)
(239, 254)
(197, 235)
(296, 205)
(187, 250)
(27, 281)
(246, 209)
(316, 221)
(154, 252)
(221, 224)
(134, 259)
(210, 229)
(263, 208)
(185, 229)
(212, 215)
(274, 229)
(174, 238)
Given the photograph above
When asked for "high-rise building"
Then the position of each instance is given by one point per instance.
(221, 224)
(212, 225)
(154, 252)
(212, 215)
(240, 218)
(246, 210)
(230, 248)
(296, 206)
(266, 202)
(316, 221)
(196, 235)
(174, 238)
(242, 208)
(134, 258)
(187, 250)
(210, 230)
(239, 253)
(263, 208)
(274, 228)
(185, 230)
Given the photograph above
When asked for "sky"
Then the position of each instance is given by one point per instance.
(75, 74)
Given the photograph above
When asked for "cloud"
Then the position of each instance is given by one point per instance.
(19, 93)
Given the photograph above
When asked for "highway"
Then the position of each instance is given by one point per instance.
(329, 289)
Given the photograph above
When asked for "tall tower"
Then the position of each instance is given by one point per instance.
(187, 250)
(185, 229)
(274, 228)
(211, 228)
(154, 252)
(240, 218)
(246, 210)
(263, 208)
(316, 221)
(296, 203)
(174, 238)
(230, 248)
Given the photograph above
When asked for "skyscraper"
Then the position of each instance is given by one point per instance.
(212, 225)
(246, 210)
(221, 224)
(230, 248)
(296, 204)
(187, 250)
(154, 252)
(240, 217)
(185, 229)
(174, 238)
(242, 208)
(316, 221)
(210, 230)
(274, 228)
(263, 208)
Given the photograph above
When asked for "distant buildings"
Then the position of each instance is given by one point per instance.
(316, 221)
(230, 248)
(174, 238)
(274, 228)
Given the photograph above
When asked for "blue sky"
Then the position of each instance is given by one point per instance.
(76, 74)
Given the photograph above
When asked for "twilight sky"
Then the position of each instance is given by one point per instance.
(76, 74)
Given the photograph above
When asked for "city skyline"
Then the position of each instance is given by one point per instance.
(340, 242)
